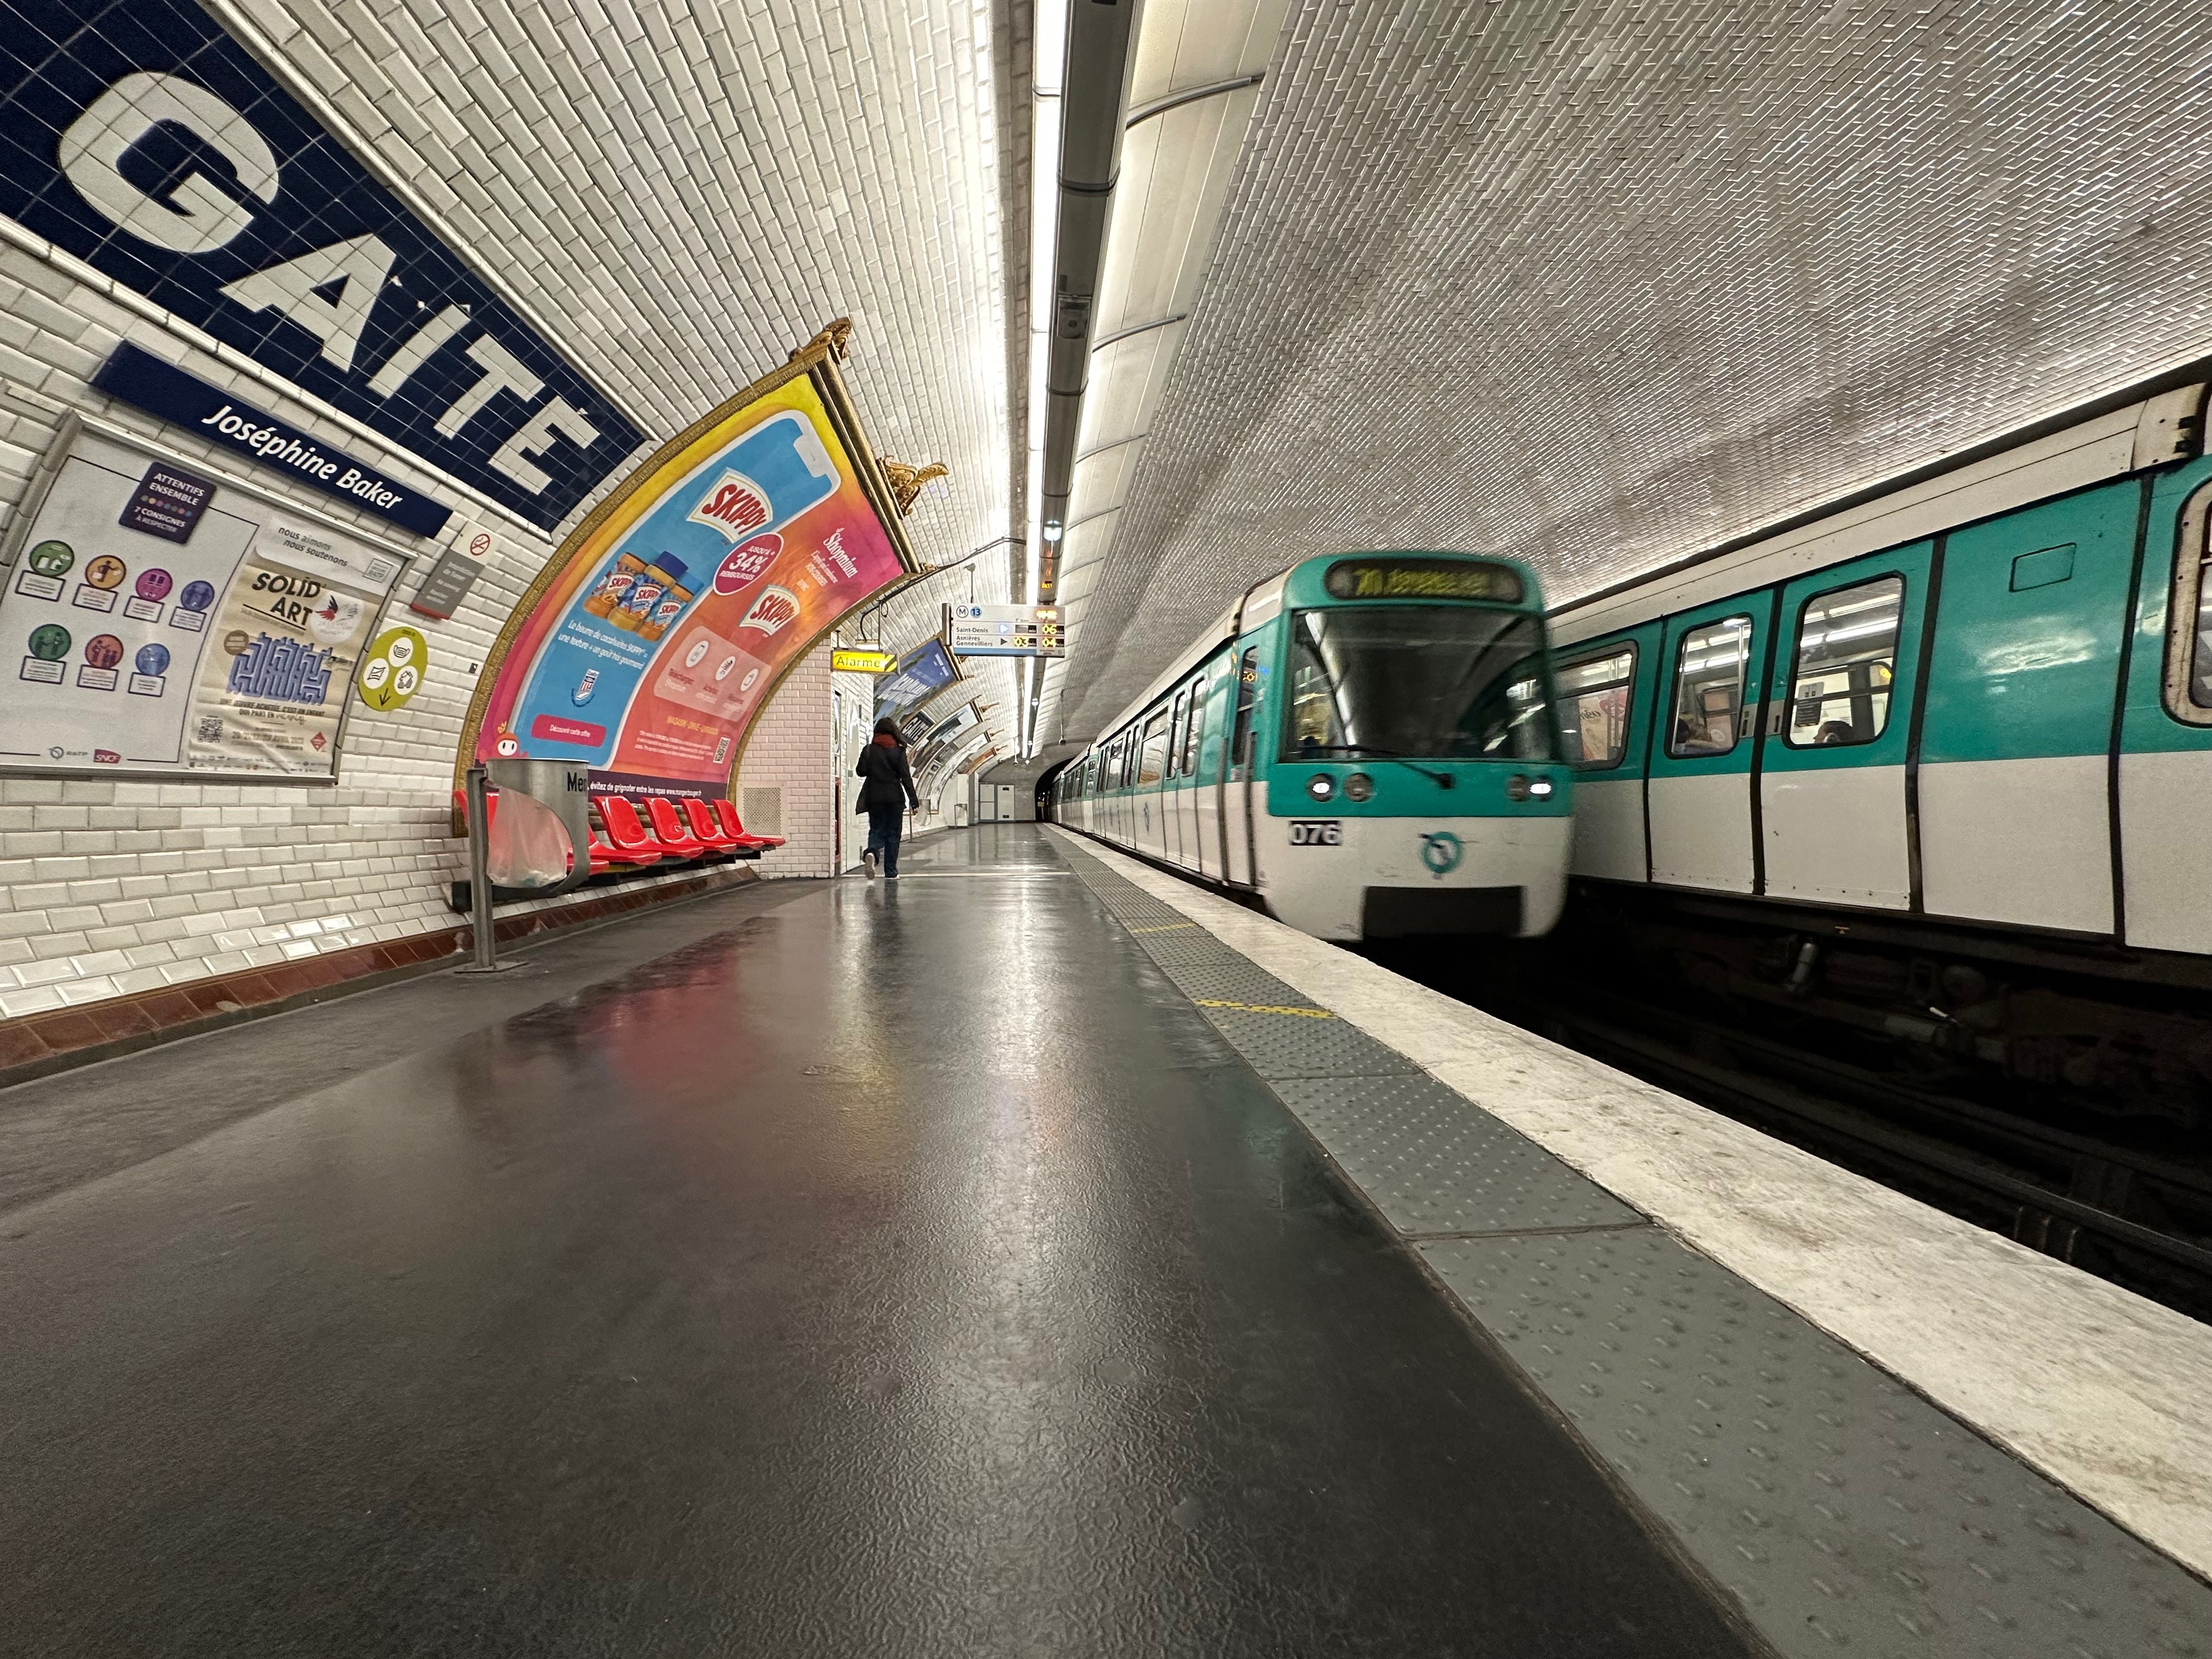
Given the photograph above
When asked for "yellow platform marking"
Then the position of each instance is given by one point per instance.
(1262, 1008)
(1165, 927)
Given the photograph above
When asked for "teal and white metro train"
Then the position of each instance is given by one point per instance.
(1937, 763)
(1365, 742)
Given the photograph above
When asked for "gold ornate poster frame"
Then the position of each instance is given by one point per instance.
(816, 360)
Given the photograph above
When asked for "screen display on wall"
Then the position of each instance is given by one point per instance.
(650, 643)
(922, 673)
(157, 618)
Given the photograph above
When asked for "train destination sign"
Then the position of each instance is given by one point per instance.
(1424, 579)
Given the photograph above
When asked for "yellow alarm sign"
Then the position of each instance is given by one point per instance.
(393, 671)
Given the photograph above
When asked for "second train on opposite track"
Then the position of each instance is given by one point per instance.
(1936, 762)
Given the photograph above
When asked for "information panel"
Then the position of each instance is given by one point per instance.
(158, 619)
(658, 630)
(1005, 631)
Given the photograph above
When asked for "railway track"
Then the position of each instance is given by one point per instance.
(2130, 1204)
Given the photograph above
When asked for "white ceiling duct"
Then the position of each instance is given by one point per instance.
(1194, 87)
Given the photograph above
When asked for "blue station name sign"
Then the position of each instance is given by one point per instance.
(139, 377)
(138, 136)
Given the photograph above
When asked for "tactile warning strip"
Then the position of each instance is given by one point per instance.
(1849, 1514)
(1276, 1031)
(1433, 1162)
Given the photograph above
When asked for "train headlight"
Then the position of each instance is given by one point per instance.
(1540, 788)
(1359, 786)
(1321, 785)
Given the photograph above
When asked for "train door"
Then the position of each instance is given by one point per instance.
(1236, 773)
(1171, 784)
(1187, 790)
(1704, 734)
(1125, 804)
(2015, 803)
(2163, 773)
(1212, 766)
(1151, 793)
(1605, 689)
(1832, 765)
(1109, 805)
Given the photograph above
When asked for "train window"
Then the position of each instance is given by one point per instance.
(1175, 733)
(1240, 736)
(1709, 674)
(1418, 681)
(2188, 644)
(1188, 765)
(1846, 661)
(1153, 755)
(1594, 697)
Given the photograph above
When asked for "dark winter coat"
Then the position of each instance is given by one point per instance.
(884, 773)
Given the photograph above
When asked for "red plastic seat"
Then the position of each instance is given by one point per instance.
(726, 811)
(605, 855)
(627, 832)
(699, 818)
(668, 828)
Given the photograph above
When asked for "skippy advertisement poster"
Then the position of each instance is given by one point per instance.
(659, 631)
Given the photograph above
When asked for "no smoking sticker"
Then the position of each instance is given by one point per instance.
(392, 672)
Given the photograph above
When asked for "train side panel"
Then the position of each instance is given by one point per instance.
(2165, 765)
(2015, 733)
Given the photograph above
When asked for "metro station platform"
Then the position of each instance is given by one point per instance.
(1038, 1254)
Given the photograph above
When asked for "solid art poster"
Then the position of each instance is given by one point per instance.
(272, 687)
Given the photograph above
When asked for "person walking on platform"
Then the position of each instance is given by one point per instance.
(886, 793)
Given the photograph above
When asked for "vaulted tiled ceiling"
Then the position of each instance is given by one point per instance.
(685, 190)
(1600, 284)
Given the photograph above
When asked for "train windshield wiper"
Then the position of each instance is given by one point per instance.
(1443, 779)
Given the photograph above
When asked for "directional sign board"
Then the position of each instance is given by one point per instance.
(1005, 631)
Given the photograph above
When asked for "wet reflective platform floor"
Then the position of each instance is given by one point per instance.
(827, 1268)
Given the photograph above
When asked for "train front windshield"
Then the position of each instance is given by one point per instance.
(1419, 681)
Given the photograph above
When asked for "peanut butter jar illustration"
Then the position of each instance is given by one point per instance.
(636, 608)
(614, 585)
(673, 599)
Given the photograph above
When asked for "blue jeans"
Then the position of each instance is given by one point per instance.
(884, 824)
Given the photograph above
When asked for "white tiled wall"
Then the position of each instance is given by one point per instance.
(789, 748)
(679, 196)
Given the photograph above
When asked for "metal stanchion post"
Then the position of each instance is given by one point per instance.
(486, 943)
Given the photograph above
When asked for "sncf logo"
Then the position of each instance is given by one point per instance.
(734, 505)
(775, 607)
